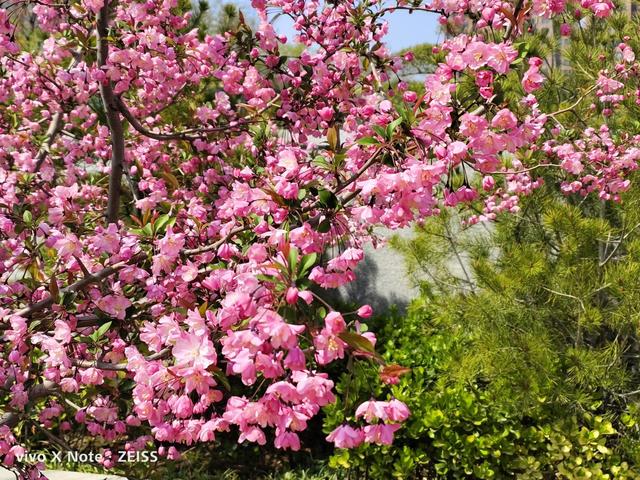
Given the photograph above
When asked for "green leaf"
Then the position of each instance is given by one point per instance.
(321, 162)
(357, 341)
(267, 278)
(324, 226)
(308, 261)
(380, 131)
(27, 217)
(293, 259)
(99, 333)
(328, 198)
(368, 141)
(391, 128)
(408, 117)
(162, 222)
(103, 328)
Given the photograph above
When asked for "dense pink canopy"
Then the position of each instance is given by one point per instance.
(171, 204)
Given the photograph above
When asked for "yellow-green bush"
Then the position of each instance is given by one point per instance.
(465, 431)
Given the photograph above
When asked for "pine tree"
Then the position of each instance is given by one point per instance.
(548, 301)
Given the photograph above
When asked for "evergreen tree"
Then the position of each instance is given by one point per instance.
(547, 302)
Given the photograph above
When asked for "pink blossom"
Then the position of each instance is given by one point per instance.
(504, 120)
(372, 410)
(532, 79)
(346, 436)
(397, 411)
(328, 348)
(91, 376)
(292, 295)
(334, 323)
(295, 359)
(380, 434)
(287, 440)
(107, 240)
(93, 5)
(194, 351)
(114, 305)
(182, 407)
(288, 161)
(67, 246)
(228, 216)
(171, 244)
(62, 331)
(286, 391)
(326, 114)
(189, 272)
(365, 311)
(252, 434)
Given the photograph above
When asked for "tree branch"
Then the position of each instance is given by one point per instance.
(54, 127)
(36, 392)
(191, 134)
(113, 116)
(617, 247)
(108, 271)
(117, 367)
(79, 285)
(126, 113)
(213, 246)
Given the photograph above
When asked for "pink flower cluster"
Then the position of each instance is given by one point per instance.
(238, 183)
(389, 414)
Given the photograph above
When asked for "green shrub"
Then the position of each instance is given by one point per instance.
(462, 430)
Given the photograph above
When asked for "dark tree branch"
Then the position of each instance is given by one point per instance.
(146, 132)
(36, 392)
(214, 246)
(79, 285)
(54, 127)
(108, 271)
(118, 367)
(113, 117)
(188, 135)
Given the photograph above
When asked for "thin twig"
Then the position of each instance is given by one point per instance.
(213, 246)
(54, 127)
(566, 295)
(617, 247)
(118, 367)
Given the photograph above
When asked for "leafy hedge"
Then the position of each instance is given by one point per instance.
(464, 431)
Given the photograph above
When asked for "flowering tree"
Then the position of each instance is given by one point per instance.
(171, 202)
